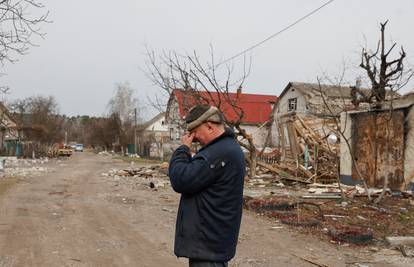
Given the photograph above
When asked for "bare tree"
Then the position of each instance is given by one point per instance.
(124, 102)
(18, 25)
(386, 77)
(208, 82)
(41, 120)
(40, 126)
(384, 74)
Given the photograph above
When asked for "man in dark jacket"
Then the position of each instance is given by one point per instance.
(211, 187)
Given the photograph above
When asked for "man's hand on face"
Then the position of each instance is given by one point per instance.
(187, 139)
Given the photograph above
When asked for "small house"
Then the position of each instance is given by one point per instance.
(151, 137)
(307, 104)
(257, 109)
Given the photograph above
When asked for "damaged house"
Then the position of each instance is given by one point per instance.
(257, 110)
(304, 105)
(305, 128)
(382, 142)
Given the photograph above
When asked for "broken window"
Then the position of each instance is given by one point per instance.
(292, 104)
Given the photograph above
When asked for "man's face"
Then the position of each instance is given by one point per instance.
(201, 133)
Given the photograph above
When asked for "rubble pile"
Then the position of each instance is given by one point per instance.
(154, 176)
(15, 162)
(355, 221)
(333, 191)
(104, 153)
(14, 167)
(308, 153)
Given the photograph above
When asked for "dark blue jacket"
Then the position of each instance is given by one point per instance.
(211, 187)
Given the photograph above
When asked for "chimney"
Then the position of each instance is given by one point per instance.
(239, 91)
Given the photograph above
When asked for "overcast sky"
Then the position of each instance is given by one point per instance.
(92, 45)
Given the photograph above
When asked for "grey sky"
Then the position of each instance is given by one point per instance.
(91, 45)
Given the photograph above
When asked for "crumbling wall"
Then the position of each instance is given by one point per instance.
(317, 106)
(409, 149)
(281, 109)
(259, 134)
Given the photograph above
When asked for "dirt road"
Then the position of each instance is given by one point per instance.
(74, 216)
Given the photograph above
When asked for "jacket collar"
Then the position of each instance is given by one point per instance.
(227, 133)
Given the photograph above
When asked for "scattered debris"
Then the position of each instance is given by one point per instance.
(105, 153)
(286, 212)
(14, 167)
(352, 234)
(168, 210)
(406, 251)
(354, 221)
(313, 262)
(153, 176)
(400, 241)
(309, 147)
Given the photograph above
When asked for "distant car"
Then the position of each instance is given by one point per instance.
(64, 150)
(79, 148)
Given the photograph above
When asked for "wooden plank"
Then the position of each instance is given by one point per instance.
(309, 129)
(293, 140)
(304, 133)
(283, 140)
(311, 261)
(307, 172)
(278, 170)
(321, 197)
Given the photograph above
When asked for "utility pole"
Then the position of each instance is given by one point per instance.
(135, 131)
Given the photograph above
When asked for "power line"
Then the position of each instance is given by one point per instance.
(277, 33)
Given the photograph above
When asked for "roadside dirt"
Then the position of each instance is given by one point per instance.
(74, 216)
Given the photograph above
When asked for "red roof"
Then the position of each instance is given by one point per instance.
(257, 108)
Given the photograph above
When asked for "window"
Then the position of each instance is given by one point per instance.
(292, 104)
(171, 133)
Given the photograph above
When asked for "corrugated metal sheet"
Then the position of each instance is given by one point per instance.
(378, 145)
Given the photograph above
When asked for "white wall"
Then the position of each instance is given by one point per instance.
(174, 122)
(282, 105)
(259, 134)
(158, 126)
(282, 109)
(345, 154)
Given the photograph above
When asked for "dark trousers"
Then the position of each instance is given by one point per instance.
(197, 263)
